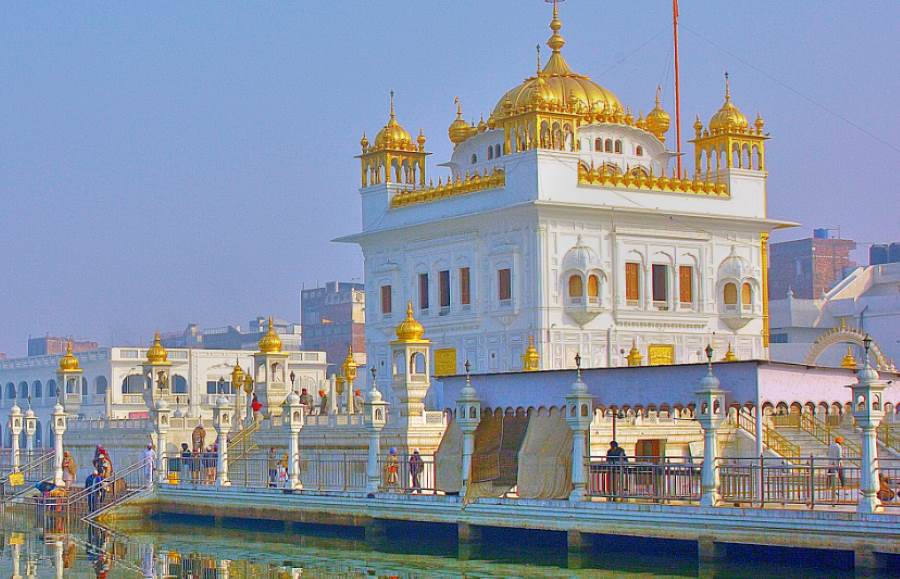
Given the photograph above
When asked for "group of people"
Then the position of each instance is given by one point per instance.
(197, 465)
(96, 483)
(415, 465)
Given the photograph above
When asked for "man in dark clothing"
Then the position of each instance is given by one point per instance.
(616, 458)
(185, 469)
(93, 484)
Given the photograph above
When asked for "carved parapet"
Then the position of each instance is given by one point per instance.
(604, 176)
(452, 188)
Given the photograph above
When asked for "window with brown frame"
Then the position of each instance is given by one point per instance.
(686, 284)
(465, 297)
(386, 300)
(504, 284)
(632, 282)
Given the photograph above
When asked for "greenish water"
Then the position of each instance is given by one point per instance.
(168, 547)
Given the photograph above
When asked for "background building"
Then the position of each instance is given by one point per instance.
(233, 337)
(808, 266)
(333, 319)
(52, 345)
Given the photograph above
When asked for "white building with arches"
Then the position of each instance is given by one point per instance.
(564, 219)
(110, 383)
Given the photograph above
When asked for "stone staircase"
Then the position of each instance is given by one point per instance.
(807, 444)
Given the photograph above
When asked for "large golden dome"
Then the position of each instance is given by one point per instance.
(270, 343)
(157, 354)
(69, 363)
(729, 117)
(557, 84)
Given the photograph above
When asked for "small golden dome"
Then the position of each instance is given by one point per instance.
(364, 142)
(459, 129)
(157, 354)
(759, 123)
(421, 139)
(729, 117)
(410, 330)
(69, 363)
(849, 360)
(392, 135)
(531, 359)
(237, 375)
(729, 355)
(658, 120)
(634, 355)
(556, 84)
(349, 366)
(270, 343)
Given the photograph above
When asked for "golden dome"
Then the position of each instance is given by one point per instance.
(658, 120)
(69, 363)
(392, 135)
(531, 359)
(849, 360)
(557, 84)
(421, 139)
(410, 330)
(157, 354)
(459, 129)
(364, 142)
(270, 343)
(729, 355)
(729, 117)
(634, 355)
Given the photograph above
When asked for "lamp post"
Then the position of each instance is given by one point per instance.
(237, 384)
(579, 403)
(295, 425)
(468, 415)
(868, 410)
(30, 429)
(15, 428)
(222, 417)
(248, 390)
(293, 378)
(375, 419)
(59, 428)
(711, 404)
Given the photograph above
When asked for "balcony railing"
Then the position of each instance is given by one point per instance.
(399, 474)
(648, 478)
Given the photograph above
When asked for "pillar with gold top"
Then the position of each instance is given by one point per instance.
(634, 355)
(269, 368)
(349, 370)
(237, 386)
(69, 373)
(411, 357)
(531, 359)
(157, 373)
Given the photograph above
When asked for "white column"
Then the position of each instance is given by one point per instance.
(468, 450)
(868, 410)
(709, 478)
(222, 459)
(579, 403)
(16, 569)
(15, 428)
(373, 475)
(759, 429)
(59, 428)
(579, 481)
(868, 477)
(295, 425)
(30, 427)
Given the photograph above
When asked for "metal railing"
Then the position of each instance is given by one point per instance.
(810, 481)
(34, 471)
(826, 435)
(771, 438)
(241, 444)
(399, 474)
(889, 435)
(649, 478)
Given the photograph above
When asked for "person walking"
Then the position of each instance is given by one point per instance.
(256, 407)
(416, 466)
(392, 469)
(196, 459)
(92, 484)
(358, 402)
(149, 463)
(272, 467)
(70, 469)
(616, 458)
(185, 462)
(306, 400)
(836, 466)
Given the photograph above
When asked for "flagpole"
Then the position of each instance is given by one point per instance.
(677, 87)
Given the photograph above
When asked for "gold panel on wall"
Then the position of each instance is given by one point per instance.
(661, 354)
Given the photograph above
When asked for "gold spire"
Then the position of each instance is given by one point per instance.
(459, 129)
(634, 355)
(349, 366)
(237, 375)
(270, 343)
(556, 41)
(729, 355)
(392, 135)
(729, 117)
(531, 358)
(410, 330)
(69, 363)
(849, 360)
(658, 120)
(157, 354)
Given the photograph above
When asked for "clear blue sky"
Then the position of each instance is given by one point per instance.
(167, 162)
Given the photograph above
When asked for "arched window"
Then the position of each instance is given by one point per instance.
(598, 144)
(179, 384)
(38, 435)
(37, 389)
(474, 158)
(498, 150)
(608, 146)
(23, 390)
(639, 151)
(729, 296)
(10, 391)
(84, 386)
(133, 384)
(618, 146)
(490, 152)
(417, 363)
(576, 287)
(593, 288)
(746, 297)
(100, 385)
(52, 391)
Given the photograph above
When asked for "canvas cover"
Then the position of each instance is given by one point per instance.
(545, 459)
(448, 460)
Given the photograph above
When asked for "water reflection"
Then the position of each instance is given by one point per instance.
(197, 548)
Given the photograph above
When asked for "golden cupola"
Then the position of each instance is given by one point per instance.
(349, 366)
(556, 86)
(729, 118)
(270, 343)
(531, 359)
(459, 129)
(157, 353)
(658, 120)
(394, 156)
(410, 330)
(69, 363)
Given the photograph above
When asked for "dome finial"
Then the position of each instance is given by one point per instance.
(392, 104)
(658, 92)
(727, 88)
(556, 41)
(458, 107)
